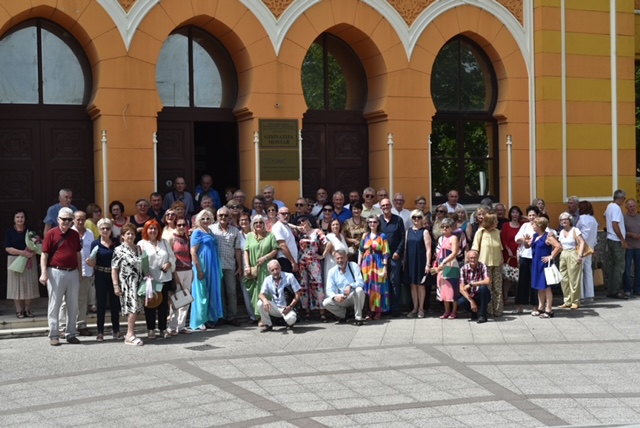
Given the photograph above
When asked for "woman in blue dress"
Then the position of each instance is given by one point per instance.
(207, 305)
(545, 247)
(417, 263)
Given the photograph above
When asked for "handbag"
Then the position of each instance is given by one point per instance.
(180, 298)
(552, 274)
(598, 277)
(586, 249)
(451, 272)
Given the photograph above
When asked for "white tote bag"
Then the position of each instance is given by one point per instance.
(552, 274)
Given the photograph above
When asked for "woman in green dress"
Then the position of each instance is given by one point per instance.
(261, 247)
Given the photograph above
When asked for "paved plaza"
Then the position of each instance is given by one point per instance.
(580, 368)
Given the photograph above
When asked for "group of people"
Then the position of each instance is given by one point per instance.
(326, 257)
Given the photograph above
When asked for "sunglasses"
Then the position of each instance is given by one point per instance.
(206, 219)
(327, 210)
(300, 205)
(181, 225)
(105, 228)
(234, 207)
(271, 210)
(416, 218)
(441, 211)
(171, 214)
(287, 213)
(66, 220)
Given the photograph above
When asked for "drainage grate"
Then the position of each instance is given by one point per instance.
(205, 347)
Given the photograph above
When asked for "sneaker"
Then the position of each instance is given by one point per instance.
(73, 340)
(54, 342)
(358, 323)
(266, 328)
(341, 321)
(482, 320)
(151, 334)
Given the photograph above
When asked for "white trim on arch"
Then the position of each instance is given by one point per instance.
(128, 22)
(277, 29)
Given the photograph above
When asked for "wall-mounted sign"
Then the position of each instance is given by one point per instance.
(279, 165)
(278, 133)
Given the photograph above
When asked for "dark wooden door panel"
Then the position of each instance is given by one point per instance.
(175, 154)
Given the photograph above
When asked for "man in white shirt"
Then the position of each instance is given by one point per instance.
(452, 201)
(399, 210)
(616, 244)
(344, 289)
(288, 254)
(368, 209)
(273, 298)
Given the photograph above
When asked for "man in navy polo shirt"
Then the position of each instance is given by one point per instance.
(339, 211)
(60, 263)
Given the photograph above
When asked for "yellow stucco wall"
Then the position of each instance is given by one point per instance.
(125, 100)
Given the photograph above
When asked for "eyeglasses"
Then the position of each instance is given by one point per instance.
(66, 220)
(327, 210)
(181, 225)
(259, 222)
(223, 215)
(416, 217)
(368, 196)
(105, 228)
(287, 213)
(234, 207)
(441, 211)
(301, 205)
(171, 214)
(271, 210)
(383, 195)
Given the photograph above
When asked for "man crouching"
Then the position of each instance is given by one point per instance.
(273, 299)
(345, 288)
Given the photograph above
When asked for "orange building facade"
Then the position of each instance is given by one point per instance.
(560, 125)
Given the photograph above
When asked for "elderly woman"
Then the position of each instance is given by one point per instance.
(261, 246)
(525, 294)
(180, 208)
(126, 274)
(354, 229)
(373, 259)
(441, 214)
(488, 244)
(169, 221)
(94, 214)
(183, 276)
(162, 263)
(272, 214)
(417, 262)
(101, 260)
(588, 225)
(421, 205)
(245, 229)
(310, 268)
(207, 306)
(116, 208)
(545, 247)
(572, 243)
(140, 217)
(462, 221)
(448, 282)
(21, 287)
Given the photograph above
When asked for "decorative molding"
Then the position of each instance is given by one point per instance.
(515, 7)
(277, 7)
(127, 21)
(277, 28)
(409, 10)
(126, 4)
(636, 4)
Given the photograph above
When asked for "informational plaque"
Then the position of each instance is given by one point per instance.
(279, 157)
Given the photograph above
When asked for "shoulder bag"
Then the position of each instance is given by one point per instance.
(586, 249)
(180, 298)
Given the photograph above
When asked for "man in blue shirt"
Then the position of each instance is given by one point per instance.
(339, 211)
(273, 300)
(65, 196)
(345, 288)
(205, 188)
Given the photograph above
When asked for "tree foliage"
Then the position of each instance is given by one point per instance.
(314, 85)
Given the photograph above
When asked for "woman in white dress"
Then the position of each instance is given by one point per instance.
(335, 241)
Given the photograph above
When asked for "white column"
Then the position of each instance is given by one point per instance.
(391, 171)
(105, 172)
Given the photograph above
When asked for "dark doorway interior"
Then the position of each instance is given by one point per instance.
(216, 153)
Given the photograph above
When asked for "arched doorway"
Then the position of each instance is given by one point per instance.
(197, 130)
(464, 152)
(335, 149)
(46, 138)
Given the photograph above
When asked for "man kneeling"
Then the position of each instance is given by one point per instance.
(474, 281)
(344, 288)
(273, 299)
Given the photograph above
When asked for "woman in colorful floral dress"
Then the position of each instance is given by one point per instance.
(373, 259)
(310, 268)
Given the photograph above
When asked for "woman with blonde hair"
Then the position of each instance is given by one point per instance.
(545, 247)
(488, 244)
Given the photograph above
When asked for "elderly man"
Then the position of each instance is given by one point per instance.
(179, 194)
(269, 194)
(501, 211)
(368, 209)
(156, 210)
(288, 254)
(321, 197)
(65, 196)
(572, 208)
(616, 244)
(240, 198)
(381, 194)
(302, 212)
(206, 201)
(231, 261)
(474, 288)
(344, 289)
(452, 201)
(632, 253)
(354, 196)
(339, 211)
(273, 297)
(60, 263)
(393, 227)
(86, 281)
(399, 210)
(205, 188)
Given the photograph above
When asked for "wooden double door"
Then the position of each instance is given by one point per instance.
(42, 150)
(335, 152)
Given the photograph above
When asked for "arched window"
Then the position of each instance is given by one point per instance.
(195, 70)
(464, 152)
(332, 76)
(41, 63)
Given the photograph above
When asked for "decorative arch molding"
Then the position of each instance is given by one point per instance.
(128, 21)
(410, 35)
(277, 28)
